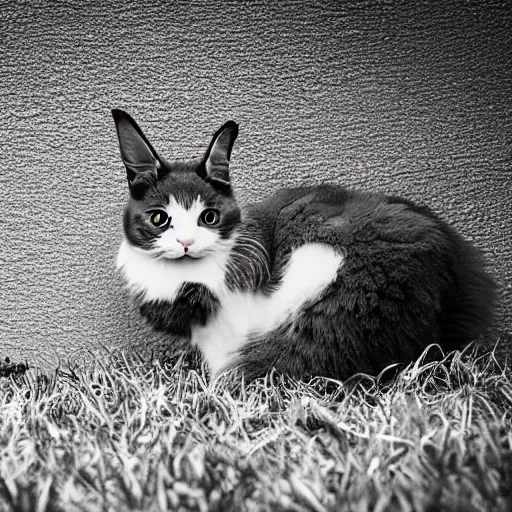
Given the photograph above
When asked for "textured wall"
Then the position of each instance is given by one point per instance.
(413, 98)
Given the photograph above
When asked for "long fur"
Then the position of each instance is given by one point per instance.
(312, 281)
(408, 280)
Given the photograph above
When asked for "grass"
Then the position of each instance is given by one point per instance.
(146, 436)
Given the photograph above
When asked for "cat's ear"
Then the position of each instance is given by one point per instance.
(137, 153)
(215, 166)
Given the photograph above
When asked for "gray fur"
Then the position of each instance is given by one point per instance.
(408, 279)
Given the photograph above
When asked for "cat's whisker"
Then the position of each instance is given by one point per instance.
(251, 272)
(252, 263)
(259, 267)
(260, 251)
(245, 244)
(156, 253)
(235, 275)
(244, 267)
(249, 239)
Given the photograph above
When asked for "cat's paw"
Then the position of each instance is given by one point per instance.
(194, 304)
(197, 302)
(162, 317)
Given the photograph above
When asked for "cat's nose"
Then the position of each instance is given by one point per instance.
(186, 243)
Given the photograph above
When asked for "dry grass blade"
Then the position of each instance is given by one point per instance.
(136, 435)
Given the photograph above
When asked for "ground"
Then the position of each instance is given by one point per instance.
(133, 435)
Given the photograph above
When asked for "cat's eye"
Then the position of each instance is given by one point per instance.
(210, 217)
(159, 218)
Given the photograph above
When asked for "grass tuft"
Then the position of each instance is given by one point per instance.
(133, 435)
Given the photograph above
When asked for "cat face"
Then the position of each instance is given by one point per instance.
(181, 209)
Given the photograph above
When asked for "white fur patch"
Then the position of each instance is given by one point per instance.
(159, 272)
(184, 226)
(160, 279)
(310, 270)
(312, 267)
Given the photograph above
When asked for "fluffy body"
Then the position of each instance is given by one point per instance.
(241, 315)
(312, 281)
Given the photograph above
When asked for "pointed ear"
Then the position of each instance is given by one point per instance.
(215, 168)
(137, 153)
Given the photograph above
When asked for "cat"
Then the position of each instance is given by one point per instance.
(312, 281)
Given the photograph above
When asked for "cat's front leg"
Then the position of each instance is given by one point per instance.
(194, 304)
(196, 301)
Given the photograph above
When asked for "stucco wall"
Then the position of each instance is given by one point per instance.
(413, 98)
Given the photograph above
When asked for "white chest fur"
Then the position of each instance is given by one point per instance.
(160, 279)
(311, 269)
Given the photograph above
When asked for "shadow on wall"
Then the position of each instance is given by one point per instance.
(411, 98)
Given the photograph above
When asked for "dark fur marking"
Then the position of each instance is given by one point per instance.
(193, 305)
(185, 186)
(408, 279)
